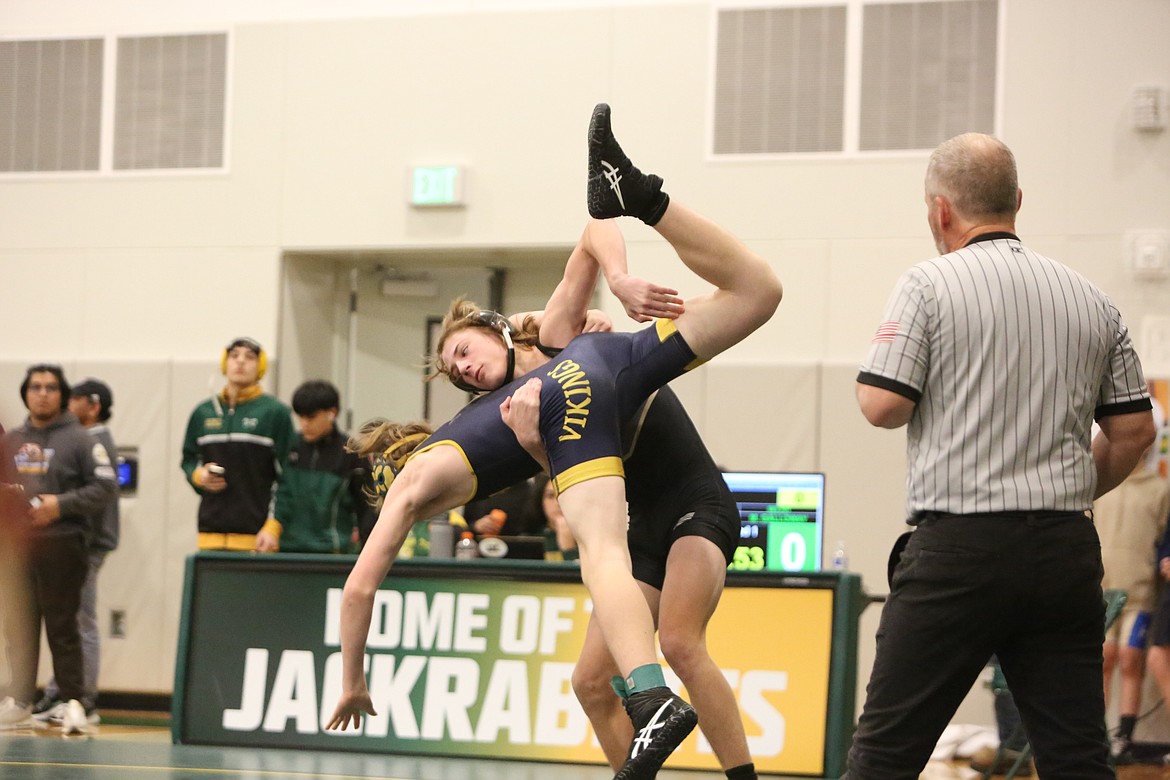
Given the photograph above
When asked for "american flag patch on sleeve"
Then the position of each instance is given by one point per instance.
(885, 333)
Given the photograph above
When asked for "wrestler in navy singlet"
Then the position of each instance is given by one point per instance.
(597, 381)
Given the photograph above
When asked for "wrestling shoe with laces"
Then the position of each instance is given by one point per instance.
(661, 721)
(616, 188)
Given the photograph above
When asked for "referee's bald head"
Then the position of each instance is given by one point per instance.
(977, 174)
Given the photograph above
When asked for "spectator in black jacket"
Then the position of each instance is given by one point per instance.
(319, 499)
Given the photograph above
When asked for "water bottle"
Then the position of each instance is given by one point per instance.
(442, 535)
(840, 559)
(466, 548)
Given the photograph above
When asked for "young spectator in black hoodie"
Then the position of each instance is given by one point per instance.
(319, 500)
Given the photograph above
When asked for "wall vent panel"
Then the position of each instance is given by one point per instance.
(779, 80)
(50, 105)
(170, 102)
(928, 72)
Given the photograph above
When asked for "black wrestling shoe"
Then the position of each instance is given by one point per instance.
(661, 721)
(616, 188)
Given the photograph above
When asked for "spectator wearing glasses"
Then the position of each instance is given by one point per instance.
(91, 402)
(65, 478)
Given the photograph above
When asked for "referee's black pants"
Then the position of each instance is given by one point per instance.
(1025, 586)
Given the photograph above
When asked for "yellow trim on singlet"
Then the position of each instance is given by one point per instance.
(590, 469)
(666, 329)
(240, 542)
(462, 454)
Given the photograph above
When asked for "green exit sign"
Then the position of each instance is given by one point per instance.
(437, 185)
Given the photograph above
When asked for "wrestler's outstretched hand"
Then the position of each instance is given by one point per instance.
(350, 708)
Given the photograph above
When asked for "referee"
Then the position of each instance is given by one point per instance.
(998, 360)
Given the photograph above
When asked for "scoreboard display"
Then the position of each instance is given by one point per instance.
(781, 520)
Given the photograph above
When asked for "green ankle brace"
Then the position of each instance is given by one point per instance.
(619, 687)
(644, 678)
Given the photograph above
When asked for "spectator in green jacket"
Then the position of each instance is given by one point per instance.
(319, 501)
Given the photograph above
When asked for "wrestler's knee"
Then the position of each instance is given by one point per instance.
(684, 652)
(592, 687)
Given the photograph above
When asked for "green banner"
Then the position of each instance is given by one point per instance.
(473, 660)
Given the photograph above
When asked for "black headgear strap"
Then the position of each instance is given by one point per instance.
(499, 323)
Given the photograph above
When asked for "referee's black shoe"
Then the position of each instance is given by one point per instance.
(616, 188)
(661, 721)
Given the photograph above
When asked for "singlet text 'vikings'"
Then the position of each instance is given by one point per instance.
(575, 386)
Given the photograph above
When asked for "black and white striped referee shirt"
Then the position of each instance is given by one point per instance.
(1009, 357)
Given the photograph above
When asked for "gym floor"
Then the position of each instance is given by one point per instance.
(144, 752)
(134, 749)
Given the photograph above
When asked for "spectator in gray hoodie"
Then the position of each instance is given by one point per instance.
(91, 402)
(65, 478)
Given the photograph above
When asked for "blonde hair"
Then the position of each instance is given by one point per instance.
(388, 445)
(465, 314)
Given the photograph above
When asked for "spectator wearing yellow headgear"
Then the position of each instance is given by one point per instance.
(236, 444)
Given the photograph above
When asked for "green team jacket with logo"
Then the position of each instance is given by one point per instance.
(251, 442)
(320, 499)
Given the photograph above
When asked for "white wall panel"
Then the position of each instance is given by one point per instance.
(762, 417)
(42, 304)
(135, 303)
(372, 98)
